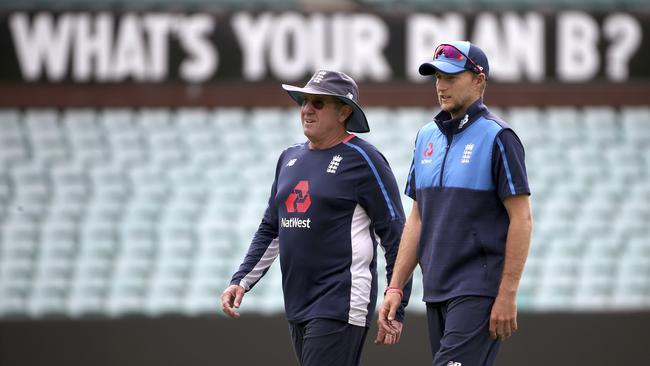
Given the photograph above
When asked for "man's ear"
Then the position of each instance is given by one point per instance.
(344, 113)
(480, 79)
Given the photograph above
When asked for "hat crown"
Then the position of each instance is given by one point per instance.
(479, 57)
(334, 82)
(473, 52)
(452, 66)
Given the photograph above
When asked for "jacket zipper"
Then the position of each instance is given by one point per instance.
(444, 160)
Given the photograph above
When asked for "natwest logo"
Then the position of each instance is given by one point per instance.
(428, 151)
(295, 222)
(299, 200)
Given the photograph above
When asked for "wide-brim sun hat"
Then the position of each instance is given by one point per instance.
(338, 85)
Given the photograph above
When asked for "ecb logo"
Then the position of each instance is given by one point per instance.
(299, 200)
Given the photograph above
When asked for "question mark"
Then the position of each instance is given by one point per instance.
(624, 32)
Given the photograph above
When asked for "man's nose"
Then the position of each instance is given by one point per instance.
(308, 107)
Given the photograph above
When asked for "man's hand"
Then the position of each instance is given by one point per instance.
(389, 330)
(231, 299)
(503, 318)
(388, 338)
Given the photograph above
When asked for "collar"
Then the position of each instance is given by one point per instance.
(450, 126)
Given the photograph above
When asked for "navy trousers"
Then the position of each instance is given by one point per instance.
(327, 342)
(459, 332)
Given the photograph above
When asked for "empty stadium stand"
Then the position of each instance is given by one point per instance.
(113, 212)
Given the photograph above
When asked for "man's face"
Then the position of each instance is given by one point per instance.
(322, 116)
(458, 91)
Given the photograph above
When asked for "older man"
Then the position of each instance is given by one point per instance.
(333, 200)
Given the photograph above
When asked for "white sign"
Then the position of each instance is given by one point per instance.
(87, 47)
(289, 46)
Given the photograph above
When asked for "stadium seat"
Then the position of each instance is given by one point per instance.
(69, 183)
(86, 300)
(638, 246)
(58, 240)
(564, 119)
(19, 237)
(31, 188)
(167, 286)
(16, 278)
(114, 120)
(602, 127)
(13, 147)
(594, 283)
(635, 125)
(45, 136)
(632, 284)
(128, 286)
(84, 136)
(10, 121)
(530, 126)
(200, 298)
(98, 237)
(50, 287)
(125, 298)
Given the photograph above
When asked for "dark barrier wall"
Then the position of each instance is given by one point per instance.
(544, 339)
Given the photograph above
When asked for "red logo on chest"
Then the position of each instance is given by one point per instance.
(299, 200)
(428, 151)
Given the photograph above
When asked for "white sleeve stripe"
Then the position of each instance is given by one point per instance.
(360, 274)
(265, 262)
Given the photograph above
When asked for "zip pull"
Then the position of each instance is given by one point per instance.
(449, 139)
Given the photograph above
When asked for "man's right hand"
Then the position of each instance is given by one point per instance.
(231, 299)
(386, 322)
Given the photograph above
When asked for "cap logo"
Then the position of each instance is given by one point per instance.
(350, 96)
(318, 77)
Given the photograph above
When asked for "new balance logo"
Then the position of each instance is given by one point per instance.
(334, 164)
(467, 154)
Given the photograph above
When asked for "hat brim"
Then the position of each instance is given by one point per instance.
(430, 68)
(357, 122)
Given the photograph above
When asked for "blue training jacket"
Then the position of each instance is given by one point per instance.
(328, 211)
(462, 170)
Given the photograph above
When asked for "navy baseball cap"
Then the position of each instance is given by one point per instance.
(456, 57)
(336, 84)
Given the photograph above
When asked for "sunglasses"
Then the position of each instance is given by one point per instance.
(453, 53)
(317, 103)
